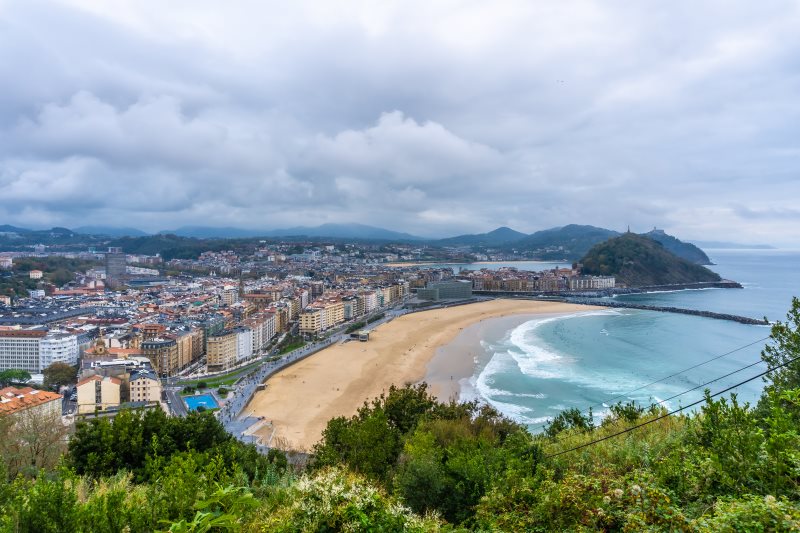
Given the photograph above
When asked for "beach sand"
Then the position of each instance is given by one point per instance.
(301, 399)
(454, 363)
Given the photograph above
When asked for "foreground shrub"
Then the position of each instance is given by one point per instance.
(336, 500)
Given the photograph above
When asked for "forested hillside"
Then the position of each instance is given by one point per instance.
(638, 261)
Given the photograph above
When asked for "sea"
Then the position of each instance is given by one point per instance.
(532, 370)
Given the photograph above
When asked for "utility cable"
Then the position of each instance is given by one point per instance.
(661, 417)
(698, 365)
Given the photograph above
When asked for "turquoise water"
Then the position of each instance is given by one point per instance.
(543, 366)
(205, 400)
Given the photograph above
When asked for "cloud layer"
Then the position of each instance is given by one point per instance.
(428, 117)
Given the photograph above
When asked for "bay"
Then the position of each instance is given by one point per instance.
(533, 370)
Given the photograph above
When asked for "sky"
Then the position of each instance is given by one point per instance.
(432, 118)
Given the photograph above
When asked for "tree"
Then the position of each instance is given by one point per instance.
(784, 350)
(13, 375)
(31, 441)
(58, 374)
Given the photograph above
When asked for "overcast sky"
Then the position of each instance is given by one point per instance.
(431, 117)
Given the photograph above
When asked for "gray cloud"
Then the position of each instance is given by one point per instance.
(429, 118)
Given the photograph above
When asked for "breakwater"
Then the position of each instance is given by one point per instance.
(680, 310)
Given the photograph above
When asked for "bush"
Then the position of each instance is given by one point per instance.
(202, 385)
(335, 500)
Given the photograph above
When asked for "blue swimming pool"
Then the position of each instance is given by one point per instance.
(206, 400)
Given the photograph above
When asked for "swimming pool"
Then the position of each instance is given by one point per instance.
(205, 400)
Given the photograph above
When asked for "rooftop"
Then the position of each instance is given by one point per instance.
(14, 400)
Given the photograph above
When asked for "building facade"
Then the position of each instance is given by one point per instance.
(144, 387)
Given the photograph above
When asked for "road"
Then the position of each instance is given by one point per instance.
(230, 414)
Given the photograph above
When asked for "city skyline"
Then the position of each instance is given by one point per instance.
(434, 120)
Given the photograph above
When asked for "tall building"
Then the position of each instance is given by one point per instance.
(34, 350)
(58, 348)
(222, 348)
(115, 267)
(163, 354)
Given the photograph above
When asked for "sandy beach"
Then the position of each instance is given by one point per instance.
(300, 400)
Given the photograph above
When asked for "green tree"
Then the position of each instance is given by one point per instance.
(784, 350)
(13, 375)
(58, 374)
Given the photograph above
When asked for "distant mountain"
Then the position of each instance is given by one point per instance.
(502, 235)
(733, 245)
(569, 242)
(5, 228)
(686, 250)
(111, 231)
(336, 231)
(638, 261)
(206, 232)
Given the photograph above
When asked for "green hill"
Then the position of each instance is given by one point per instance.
(686, 250)
(571, 241)
(638, 261)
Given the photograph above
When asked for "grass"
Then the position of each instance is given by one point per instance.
(291, 345)
(225, 379)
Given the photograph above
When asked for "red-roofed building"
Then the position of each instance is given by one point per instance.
(98, 393)
(14, 401)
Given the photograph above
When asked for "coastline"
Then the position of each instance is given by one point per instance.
(452, 366)
(299, 401)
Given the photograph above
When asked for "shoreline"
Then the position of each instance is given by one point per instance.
(449, 371)
(299, 400)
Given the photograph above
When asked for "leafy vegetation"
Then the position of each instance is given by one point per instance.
(686, 250)
(58, 374)
(290, 344)
(355, 326)
(14, 375)
(638, 261)
(56, 270)
(405, 462)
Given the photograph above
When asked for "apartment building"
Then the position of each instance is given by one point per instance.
(221, 353)
(163, 355)
(229, 295)
(144, 386)
(99, 393)
(244, 343)
(311, 320)
(35, 350)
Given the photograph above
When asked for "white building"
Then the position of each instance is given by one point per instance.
(230, 295)
(35, 350)
(370, 301)
(58, 348)
(244, 343)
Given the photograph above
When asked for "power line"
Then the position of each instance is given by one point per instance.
(661, 417)
(698, 365)
(710, 382)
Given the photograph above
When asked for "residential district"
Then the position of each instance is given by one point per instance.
(142, 332)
